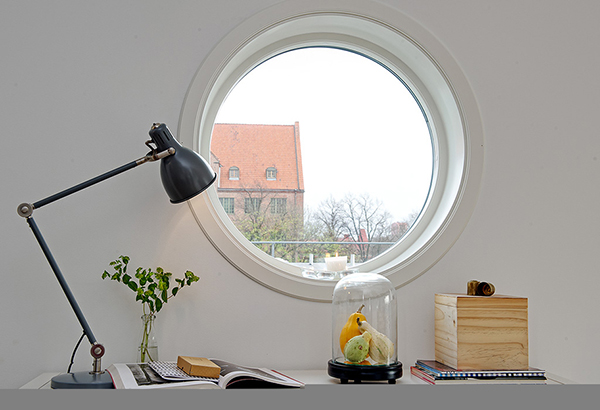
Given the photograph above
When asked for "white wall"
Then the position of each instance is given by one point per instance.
(81, 85)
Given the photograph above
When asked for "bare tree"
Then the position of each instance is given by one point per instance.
(330, 215)
(400, 228)
(364, 220)
(262, 220)
(252, 222)
(324, 225)
(354, 222)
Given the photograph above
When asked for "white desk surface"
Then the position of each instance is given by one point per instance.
(309, 377)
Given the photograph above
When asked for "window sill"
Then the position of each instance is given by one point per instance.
(309, 377)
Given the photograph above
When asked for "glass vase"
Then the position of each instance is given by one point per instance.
(148, 348)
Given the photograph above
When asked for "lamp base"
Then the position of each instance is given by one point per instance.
(358, 373)
(82, 380)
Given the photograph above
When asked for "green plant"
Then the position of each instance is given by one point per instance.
(152, 289)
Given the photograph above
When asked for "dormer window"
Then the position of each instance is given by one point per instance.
(271, 174)
(234, 173)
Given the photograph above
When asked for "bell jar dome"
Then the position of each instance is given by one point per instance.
(364, 315)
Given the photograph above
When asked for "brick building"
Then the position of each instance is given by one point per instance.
(258, 166)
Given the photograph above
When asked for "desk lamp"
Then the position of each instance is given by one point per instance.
(184, 174)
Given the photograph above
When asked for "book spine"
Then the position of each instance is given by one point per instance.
(419, 375)
(480, 374)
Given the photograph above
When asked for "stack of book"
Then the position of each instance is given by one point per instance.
(433, 372)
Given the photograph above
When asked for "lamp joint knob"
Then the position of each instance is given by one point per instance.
(25, 210)
(97, 350)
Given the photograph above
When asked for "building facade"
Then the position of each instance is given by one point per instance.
(259, 169)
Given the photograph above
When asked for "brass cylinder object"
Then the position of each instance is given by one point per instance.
(472, 287)
(476, 288)
(485, 289)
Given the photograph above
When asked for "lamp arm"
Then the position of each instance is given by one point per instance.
(61, 280)
(26, 210)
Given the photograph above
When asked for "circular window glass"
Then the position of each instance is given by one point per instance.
(353, 149)
(345, 134)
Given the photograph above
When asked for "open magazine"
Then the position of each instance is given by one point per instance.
(142, 376)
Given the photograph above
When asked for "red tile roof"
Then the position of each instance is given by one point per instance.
(254, 148)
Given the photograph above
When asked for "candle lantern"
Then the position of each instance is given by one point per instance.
(364, 327)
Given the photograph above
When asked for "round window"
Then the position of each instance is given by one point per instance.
(386, 176)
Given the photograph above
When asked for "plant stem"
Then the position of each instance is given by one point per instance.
(148, 320)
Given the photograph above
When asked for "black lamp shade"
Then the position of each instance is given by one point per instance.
(184, 174)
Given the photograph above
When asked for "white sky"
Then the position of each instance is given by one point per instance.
(360, 129)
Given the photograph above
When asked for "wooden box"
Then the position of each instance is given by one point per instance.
(481, 332)
(198, 366)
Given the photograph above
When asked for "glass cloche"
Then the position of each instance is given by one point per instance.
(364, 329)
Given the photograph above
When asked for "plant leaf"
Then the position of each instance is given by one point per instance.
(133, 286)
(163, 285)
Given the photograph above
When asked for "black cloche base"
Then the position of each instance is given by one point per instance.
(358, 373)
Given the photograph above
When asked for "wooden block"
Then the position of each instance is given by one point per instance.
(481, 332)
(198, 366)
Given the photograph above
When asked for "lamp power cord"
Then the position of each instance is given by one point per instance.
(74, 352)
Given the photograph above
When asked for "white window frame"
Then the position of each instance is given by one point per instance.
(278, 206)
(386, 35)
(271, 174)
(252, 205)
(234, 170)
(228, 203)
